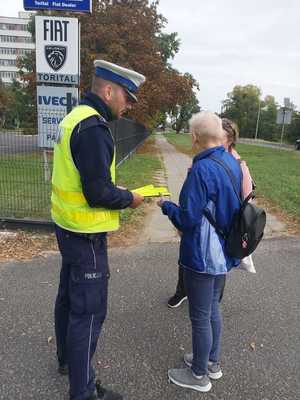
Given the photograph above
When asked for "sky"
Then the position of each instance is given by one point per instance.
(231, 42)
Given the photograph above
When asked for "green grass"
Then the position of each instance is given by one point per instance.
(138, 170)
(276, 172)
(24, 193)
(182, 141)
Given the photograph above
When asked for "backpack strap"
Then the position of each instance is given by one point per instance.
(213, 222)
(208, 213)
(231, 176)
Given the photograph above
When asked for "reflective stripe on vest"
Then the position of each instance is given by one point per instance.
(69, 208)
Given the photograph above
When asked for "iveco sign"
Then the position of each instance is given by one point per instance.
(52, 104)
(65, 5)
(57, 52)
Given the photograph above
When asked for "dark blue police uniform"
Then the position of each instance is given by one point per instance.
(81, 302)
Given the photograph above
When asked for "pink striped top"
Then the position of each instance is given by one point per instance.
(247, 180)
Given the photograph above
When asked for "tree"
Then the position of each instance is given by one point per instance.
(181, 113)
(129, 33)
(242, 107)
(268, 129)
(23, 110)
(5, 104)
(168, 44)
(293, 130)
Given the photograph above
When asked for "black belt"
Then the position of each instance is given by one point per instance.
(91, 236)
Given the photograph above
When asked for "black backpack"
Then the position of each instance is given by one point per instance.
(247, 228)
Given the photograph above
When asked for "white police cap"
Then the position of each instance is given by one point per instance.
(127, 78)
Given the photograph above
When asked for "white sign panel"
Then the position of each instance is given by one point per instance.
(287, 103)
(52, 105)
(57, 49)
(284, 116)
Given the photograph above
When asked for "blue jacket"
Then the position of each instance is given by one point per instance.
(207, 185)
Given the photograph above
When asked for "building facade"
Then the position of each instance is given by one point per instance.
(15, 41)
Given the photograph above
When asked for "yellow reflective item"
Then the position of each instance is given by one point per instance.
(69, 208)
(152, 191)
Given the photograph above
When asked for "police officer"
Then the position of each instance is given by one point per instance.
(84, 206)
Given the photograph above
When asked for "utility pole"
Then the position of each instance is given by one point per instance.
(257, 120)
(283, 123)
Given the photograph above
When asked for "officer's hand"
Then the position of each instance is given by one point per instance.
(137, 200)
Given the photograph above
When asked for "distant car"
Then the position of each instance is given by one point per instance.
(297, 144)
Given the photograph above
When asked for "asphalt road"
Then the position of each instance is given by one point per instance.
(143, 338)
(262, 143)
(11, 143)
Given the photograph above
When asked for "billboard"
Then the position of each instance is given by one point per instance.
(57, 50)
(65, 5)
(52, 103)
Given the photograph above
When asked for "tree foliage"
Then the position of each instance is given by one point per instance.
(267, 128)
(293, 130)
(242, 107)
(17, 108)
(168, 44)
(5, 104)
(181, 113)
(129, 33)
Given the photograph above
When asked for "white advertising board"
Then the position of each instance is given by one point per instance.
(52, 107)
(57, 50)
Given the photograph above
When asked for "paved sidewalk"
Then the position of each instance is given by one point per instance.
(142, 338)
(158, 227)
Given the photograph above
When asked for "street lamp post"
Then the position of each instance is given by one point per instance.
(282, 129)
(257, 120)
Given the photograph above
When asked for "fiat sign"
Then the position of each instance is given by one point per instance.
(57, 49)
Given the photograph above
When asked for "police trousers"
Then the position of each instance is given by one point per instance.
(81, 306)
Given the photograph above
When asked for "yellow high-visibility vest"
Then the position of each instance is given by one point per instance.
(69, 208)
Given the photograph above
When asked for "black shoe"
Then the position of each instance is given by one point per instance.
(105, 394)
(63, 369)
(176, 300)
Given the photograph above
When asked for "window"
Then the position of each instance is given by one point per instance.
(8, 74)
(15, 39)
(13, 27)
(11, 51)
(7, 63)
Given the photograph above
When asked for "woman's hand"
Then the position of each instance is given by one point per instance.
(160, 202)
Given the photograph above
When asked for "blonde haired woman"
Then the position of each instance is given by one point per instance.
(202, 257)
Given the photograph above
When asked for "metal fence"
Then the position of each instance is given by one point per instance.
(128, 136)
(25, 170)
